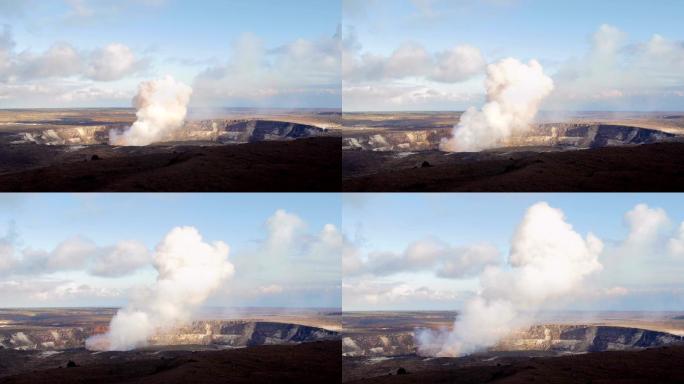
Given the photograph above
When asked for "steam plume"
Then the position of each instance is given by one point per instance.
(548, 259)
(189, 271)
(514, 92)
(161, 108)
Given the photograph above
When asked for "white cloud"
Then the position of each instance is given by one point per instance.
(64, 73)
(62, 60)
(366, 293)
(283, 228)
(75, 254)
(410, 77)
(617, 71)
(34, 291)
(351, 258)
(410, 59)
(645, 224)
(121, 259)
(113, 62)
(379, 96)
(428, 254)
(7, 257)
(270, 289)
(300, 70)
(70, 254)
(291, 256)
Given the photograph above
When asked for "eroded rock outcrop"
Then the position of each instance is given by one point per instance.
(216, 130)
(551, 337)
(563, 135)
(235, 333)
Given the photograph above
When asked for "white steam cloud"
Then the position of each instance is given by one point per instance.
(548, 259)
(162, 105)
(189, 271)
(514, 93)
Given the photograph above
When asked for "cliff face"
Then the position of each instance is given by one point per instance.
(582, 338)
(418, 140)
(553, 135)
(587, 136)
(220, 333)
(241, 334)
(556, 338)
(217, 130)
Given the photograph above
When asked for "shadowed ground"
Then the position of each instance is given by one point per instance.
(309, 165)
(650, 167)
(660, 365)
(317, 362)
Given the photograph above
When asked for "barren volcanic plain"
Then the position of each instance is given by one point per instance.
(564, 347)
(589, 151)
(226, 150)
(237, 345)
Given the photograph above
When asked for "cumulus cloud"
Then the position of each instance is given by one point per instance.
(352, 262)
(283, 229)
(291, 261)
(7, 252)
(645, 224)
(64, 73)
(18, 292)
(371, 96)
(675, 245)
(410, 59)
(121, 259)
(112, 62)
(75, 253)
(366, 293)
(625, 74)
(409, 77)
(70, 254)
(428, 254)
(297, 72)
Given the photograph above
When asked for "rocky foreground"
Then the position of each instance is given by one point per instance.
(638, 168)
(310, 164)
(316, 362)
(658, 365)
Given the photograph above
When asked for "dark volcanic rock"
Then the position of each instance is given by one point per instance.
(304, 363)
(641, 168)
(657, 365)
(311, 165)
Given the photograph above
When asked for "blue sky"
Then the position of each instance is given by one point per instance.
(179, 38)
(41, 222)
(647, 276)
(557, 34)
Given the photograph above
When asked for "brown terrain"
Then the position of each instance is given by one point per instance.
(644, 168)
(584, 152)
(67, 150)
(234, 345)
(315, 362)
(310, 165)
(565, 347)
(658, 365)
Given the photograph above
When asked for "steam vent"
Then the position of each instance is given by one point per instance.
(341, 191)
